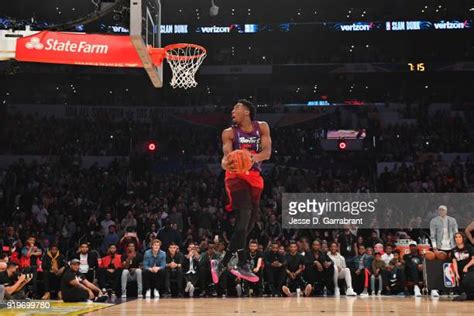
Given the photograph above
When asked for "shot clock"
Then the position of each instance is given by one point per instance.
(416, 67)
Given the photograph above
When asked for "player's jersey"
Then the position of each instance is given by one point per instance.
(249, 141)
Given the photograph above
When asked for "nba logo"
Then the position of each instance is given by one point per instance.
(448, 275)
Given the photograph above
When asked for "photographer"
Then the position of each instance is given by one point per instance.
(14, 282)
(76, 288)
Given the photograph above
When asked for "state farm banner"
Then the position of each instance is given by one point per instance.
(79, 49)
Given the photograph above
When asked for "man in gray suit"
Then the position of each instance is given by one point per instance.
(442, 230)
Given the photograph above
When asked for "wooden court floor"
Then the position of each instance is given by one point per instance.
(292, 306)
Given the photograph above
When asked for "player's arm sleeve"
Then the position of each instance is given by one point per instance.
(226, 141)
(266, 140)
(226, 146)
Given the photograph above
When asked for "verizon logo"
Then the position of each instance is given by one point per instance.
(449, 25)
(215, 29)
(355, 27)
(58, 46)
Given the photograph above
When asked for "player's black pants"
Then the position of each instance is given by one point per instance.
(245, 204)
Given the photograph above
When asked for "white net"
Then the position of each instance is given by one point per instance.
(184, 61)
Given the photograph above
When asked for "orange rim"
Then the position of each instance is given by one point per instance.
(170, 56)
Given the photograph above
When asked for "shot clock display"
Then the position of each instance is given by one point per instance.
(417, 67)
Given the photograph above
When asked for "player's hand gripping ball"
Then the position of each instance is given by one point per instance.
(239, 161)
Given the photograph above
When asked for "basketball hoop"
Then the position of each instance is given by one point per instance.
(184, 61)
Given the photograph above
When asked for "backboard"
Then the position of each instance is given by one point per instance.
(145, 30)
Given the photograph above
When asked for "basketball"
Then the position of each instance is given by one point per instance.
(240, 160)
(441, 255)
(429, 255)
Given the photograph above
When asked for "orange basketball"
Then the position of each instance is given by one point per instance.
(441, 255)
(429, 255)
(241, 160)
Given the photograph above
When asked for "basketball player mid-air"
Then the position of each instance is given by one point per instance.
(243, 188)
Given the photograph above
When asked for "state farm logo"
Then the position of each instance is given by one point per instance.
(67, 46)
(34, 43)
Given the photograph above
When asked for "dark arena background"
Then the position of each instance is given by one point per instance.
(113, 197)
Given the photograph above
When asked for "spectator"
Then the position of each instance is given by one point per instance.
(275, 269)
(254, 259)
(294, 273)
(373, 240)
(106, 222)
(89, 263)
(362, 272)
(462, 258)
(273, 229)
(11, 237)
(30, 254)
(154, 264)
(53, 264)
(205, 278)
(110, 270)
(76, 288)
(414, 268)
(174, 269)
(110, 239)
(348, 246)
(341, 271)
(152, 235)
(378, 266)
(129, 237)
(190, 269)
(92, 224)
(388, 255)
(169, 235)
(129, 221)
(378, 247)
(40, 213)
(396, 274)
(319, 269)
(442, 230)
(176, 217)
(30, 260)
(131, 263)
